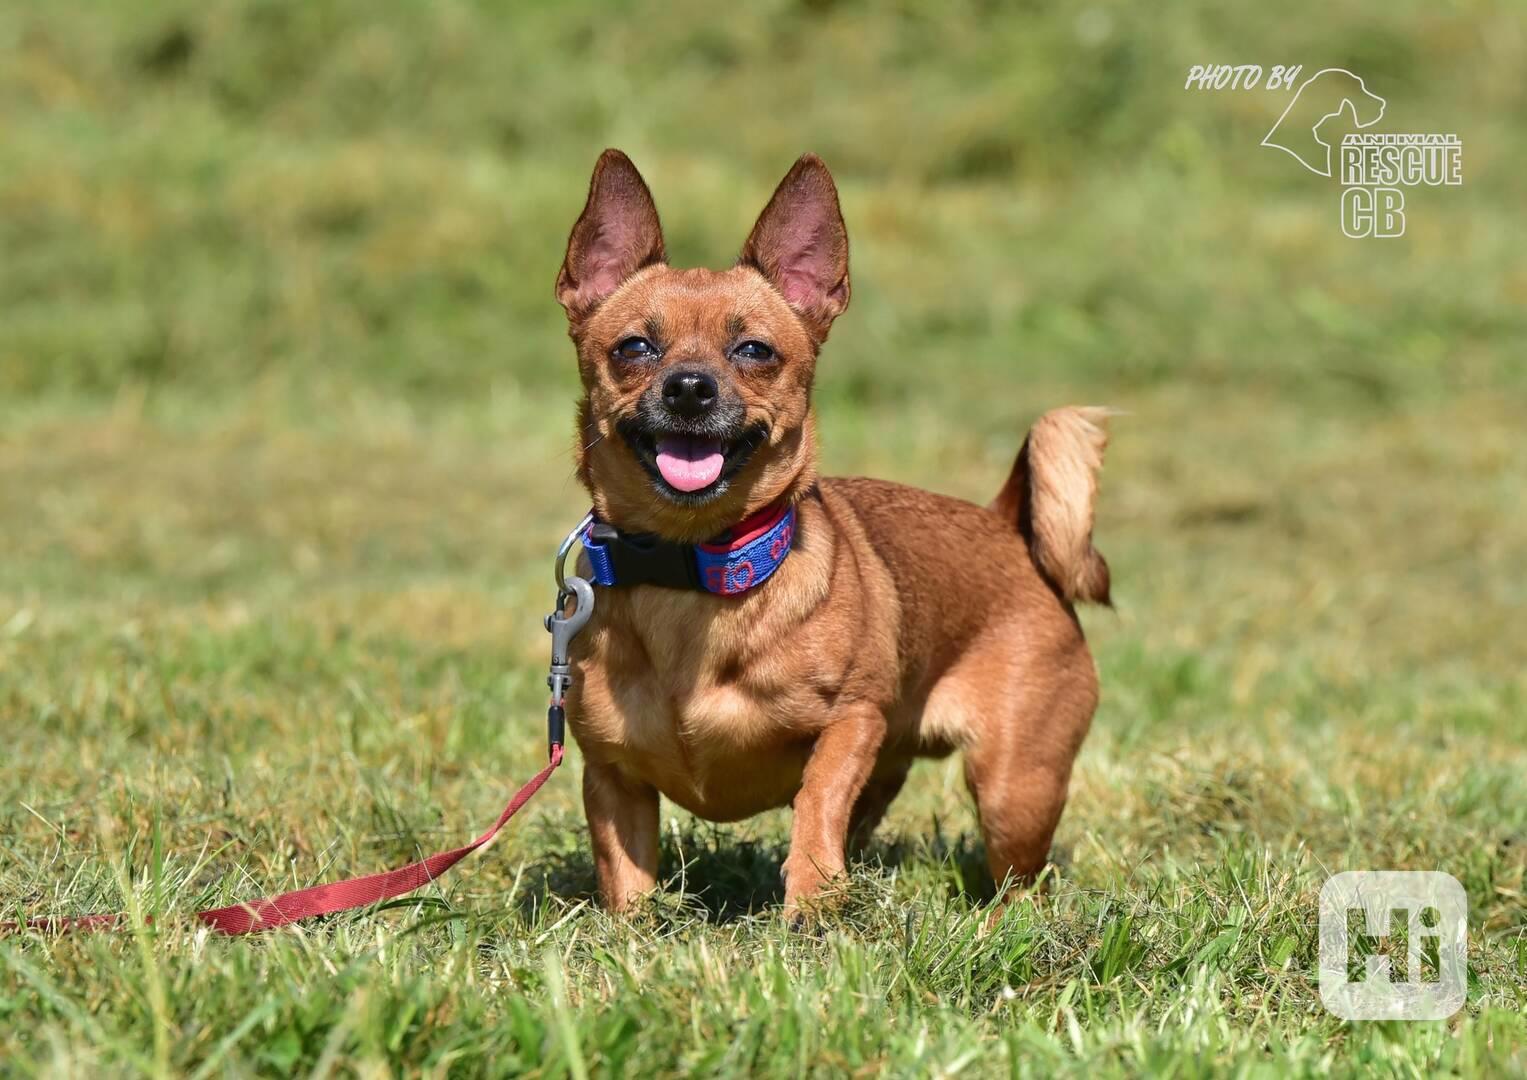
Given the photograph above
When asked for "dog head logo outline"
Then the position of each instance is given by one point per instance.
(1297, 131)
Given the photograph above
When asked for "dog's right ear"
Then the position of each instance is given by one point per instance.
(617, 234)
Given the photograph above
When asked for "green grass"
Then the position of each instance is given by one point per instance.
(285, 430)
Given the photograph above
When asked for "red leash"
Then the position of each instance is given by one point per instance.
(273, 911)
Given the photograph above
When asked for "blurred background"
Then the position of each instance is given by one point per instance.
(275, 301)
(286, 402)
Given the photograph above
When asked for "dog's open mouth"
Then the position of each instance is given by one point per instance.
(687, 467)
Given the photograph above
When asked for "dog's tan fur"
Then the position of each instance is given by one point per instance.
(877, 641)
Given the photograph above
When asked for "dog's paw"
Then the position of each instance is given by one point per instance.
(808, 907)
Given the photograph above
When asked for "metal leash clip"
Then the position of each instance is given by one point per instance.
(564, 626)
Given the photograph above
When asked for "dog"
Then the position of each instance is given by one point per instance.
(769, 637)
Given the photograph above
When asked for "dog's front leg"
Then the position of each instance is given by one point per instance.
(623, 825)
(840, 765)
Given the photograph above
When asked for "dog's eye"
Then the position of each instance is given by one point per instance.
(755, 351)
(634, 349)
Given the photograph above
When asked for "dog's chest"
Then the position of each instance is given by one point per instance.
(706, 701)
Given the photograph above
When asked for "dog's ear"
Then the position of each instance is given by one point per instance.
(801, 245)
(617, 234)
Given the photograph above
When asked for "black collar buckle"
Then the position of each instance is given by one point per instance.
(645, 559)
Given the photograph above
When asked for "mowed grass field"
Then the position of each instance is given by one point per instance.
(285, 451)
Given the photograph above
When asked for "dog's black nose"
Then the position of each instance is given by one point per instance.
(691, 394)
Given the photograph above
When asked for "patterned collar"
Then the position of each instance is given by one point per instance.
(740, 559)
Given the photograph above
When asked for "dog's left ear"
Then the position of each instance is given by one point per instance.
(617, 234)
(800, 244)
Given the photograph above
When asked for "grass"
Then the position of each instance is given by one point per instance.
(285, 417)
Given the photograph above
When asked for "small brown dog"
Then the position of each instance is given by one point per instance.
(733, 679)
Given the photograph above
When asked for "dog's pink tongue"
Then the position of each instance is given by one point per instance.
(687, 463)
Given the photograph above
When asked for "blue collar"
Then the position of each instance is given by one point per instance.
(740, 559)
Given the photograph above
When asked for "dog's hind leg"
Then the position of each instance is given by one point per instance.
(1018, 756)
(1019, 804)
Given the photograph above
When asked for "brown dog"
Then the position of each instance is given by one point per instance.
(871, 644)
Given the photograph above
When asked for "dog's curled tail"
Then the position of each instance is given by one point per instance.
(1050, 495)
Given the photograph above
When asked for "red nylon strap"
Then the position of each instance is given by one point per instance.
(271, 912)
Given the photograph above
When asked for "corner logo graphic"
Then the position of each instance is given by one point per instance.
(1418, 918)
(1373, 168)
(1297, 131)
